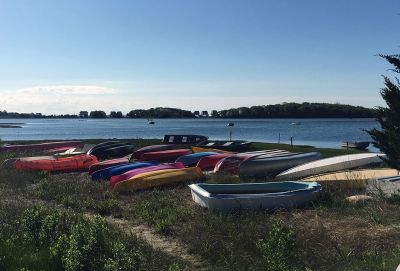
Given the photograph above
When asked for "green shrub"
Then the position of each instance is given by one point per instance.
(277, 248)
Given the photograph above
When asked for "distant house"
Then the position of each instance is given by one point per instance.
(84, 114)
(196, 114)
(204, 114)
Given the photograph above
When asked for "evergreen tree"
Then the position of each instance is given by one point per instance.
(387, 139)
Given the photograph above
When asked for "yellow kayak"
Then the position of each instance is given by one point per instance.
(159, 178)
(353, 175)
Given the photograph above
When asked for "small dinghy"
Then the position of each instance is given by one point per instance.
(269, 196)
(131, 173)
(192, 159)
(136, 154)
(107, 173)
(232, 163)
(331, 164)
(388, 186)
(159, 178)
(226, 145)
(183, 139)
(359, 145)
(164, 156)
(267, 165)
(108, 163)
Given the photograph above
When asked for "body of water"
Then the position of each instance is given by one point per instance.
(314, 132)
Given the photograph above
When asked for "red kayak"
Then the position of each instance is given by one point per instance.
(108, 163)
(232, 163)
(209, 162)
(129, 174)
(41, 146)
(153, 148)
(73, 163)
(164, 156)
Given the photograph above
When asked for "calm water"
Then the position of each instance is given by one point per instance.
(315, 132)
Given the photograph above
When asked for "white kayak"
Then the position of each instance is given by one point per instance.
(331, 164)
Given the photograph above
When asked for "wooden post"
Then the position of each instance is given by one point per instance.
(291, 141)
(279, 137)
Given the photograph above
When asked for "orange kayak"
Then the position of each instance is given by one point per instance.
(73, 163)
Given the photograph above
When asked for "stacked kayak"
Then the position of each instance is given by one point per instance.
(209, 162)
(183, 139)
(131, 173)
(232, 163)
(108, 163)
(269, 165)
(270, 196)
(192, 159)
(153, 148)
(164, 156)
(41, 146)
(73, 163)
(332, 164)
(107, 173)
(227, 145)
(158, 178)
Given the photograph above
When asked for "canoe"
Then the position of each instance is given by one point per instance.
(232, 163)
(164, 156)
(267, 165)
(73, 163)
(387, 186)
(159, 178)
(192, 159)
(115, 152)
(227, 145)
(108, 163)
(129, 174)
(96, 150)
(337, 163)
(102, 144)
(41, 146)
(269, 196)
(107, 173)
(209, 162)
(136, 154)
(353, 175)
(183, 139)
(359, 145)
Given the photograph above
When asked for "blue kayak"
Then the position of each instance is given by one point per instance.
(192, 159)
(107, 173)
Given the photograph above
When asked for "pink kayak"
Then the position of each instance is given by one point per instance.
(209, 162)
(129, 174)
(153, 148)
(164, 156)
(108, 163)
(41, 146)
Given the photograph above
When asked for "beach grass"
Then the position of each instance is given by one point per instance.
(329, 234)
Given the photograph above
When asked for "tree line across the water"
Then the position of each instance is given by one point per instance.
(284, 110)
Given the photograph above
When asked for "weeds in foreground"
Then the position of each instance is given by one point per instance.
(45, 239)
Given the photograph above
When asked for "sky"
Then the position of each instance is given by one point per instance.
(59, 57)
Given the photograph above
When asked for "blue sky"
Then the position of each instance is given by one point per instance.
(66, 56)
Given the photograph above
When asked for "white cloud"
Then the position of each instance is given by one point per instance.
(62, 99)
